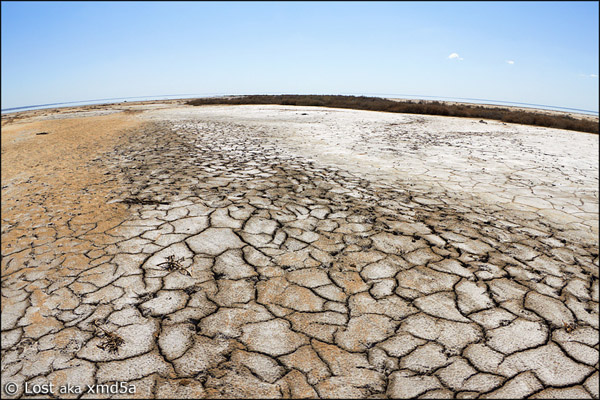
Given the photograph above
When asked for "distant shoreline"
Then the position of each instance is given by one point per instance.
(522, 115)
(394, 97)
(580, 115)
(505, 114)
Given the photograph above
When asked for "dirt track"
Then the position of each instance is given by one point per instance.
(271, 251)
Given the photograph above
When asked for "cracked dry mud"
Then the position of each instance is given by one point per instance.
(268, 251)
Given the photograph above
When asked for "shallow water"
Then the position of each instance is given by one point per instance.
(103, 101)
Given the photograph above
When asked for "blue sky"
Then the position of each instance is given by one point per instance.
(532, 52)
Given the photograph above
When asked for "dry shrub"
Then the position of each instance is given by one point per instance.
(408, 107)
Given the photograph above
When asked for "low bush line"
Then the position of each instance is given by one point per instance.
(409, 107)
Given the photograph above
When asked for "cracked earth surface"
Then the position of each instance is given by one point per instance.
(270, 251)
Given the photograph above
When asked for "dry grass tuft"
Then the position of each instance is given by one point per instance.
(111, 341)
(173, 264)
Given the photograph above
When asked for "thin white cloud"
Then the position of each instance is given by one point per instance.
(588, 75)
(511, 62)
(455, 56)
(593, 76)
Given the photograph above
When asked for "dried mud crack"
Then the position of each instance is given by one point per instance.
(237, 268)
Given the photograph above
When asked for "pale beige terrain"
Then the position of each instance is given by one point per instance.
(278, 251)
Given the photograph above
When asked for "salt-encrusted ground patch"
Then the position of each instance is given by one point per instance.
(278, 251)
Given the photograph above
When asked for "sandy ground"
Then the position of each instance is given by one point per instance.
(273, 251)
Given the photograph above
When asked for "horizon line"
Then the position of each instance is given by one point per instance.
(182, 96)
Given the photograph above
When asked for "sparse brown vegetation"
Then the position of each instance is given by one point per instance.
(111, 341)
(410, 107)
(173, 264)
